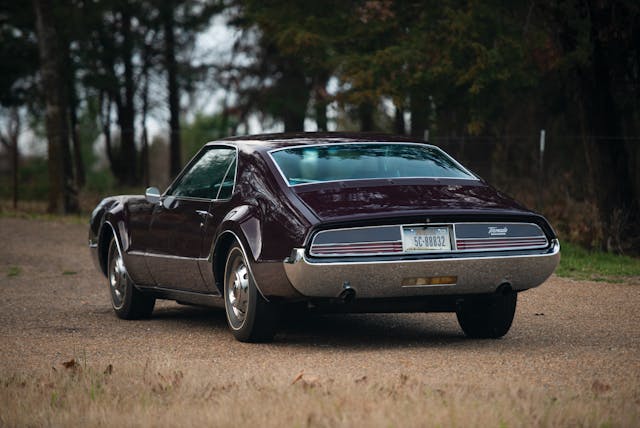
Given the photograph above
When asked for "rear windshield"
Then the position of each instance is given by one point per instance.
(337, 162)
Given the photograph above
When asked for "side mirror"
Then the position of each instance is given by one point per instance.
(152, 194)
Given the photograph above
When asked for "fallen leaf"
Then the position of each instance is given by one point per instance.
(600, 387)
(71, 364)
(361, 379)
(307, 381)
(298, 377)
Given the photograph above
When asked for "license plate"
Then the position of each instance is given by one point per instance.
(428, 238)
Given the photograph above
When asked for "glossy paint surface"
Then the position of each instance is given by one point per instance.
(176, 243)
(406, 196)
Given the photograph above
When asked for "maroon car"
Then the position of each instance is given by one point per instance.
(331, 222)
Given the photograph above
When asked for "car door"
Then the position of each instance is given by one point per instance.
(139, 217)
(178, 223)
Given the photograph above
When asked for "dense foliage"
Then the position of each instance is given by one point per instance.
(459, 69)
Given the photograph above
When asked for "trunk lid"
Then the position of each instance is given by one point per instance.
(335, 201)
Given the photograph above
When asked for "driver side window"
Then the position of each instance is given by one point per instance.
(204, 178)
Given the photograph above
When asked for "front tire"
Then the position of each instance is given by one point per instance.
(250, 317)
(489, 316)
(128, 302)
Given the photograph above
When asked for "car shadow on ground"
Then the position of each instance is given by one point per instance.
(191, 316)
(355, 331)
(361, 331)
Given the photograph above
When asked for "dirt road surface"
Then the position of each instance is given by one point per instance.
(572, 356)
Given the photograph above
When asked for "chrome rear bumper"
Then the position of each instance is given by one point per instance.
(384, 279)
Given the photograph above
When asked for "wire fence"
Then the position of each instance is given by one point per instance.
(546, 172)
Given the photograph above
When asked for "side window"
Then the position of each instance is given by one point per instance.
(227, 184)
(204, 178)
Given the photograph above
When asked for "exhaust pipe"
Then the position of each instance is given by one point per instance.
(504, 289)
(348, 294)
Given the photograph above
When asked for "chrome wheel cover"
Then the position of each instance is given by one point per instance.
(238, 291)
(118, 281)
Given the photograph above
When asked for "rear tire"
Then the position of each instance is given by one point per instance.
(250, 317)
(489, 316)
(128, 302)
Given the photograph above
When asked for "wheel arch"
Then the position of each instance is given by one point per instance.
(107, 232)
(221, 247)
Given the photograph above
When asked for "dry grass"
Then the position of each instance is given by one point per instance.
(159, 394)
(572, 357)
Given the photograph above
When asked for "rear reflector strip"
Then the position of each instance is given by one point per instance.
(479, 244)
(381, 247)
(467, 237)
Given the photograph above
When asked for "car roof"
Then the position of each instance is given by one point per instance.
(273, 141)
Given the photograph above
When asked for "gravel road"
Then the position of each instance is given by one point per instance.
(54, 306)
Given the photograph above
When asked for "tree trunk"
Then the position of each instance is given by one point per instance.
(365, 116)
(399, 126)
(320, 108)
(418, 103)
(104, 115)
(70, 80)
(320, 101)
(168, 21)
(618, 209)
(15, 162)
(75, 137)
(294, 94)
(10, 143)
(62, 195)
(126, 112)
(144, 154)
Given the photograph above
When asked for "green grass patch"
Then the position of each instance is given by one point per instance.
(82, 218)
(69, 272)
(14, 271)
(579, 263)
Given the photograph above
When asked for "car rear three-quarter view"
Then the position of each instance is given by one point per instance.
(333, 222)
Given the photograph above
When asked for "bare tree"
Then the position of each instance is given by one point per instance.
(168, 23)
(9, 139)
(62, 194)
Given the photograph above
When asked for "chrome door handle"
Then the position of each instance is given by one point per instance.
(204, 214)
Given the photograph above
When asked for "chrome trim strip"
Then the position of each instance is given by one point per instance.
(192, 297)
(225, 176)
(189, 198)
(379, 178)
(361, 244)
(165, 256)
(379, 253)
(452, 236)
(502, 238)
(357, 252)
(485, 249)
(383, 278)
(472, 176)
(115, 235)
(555, 243)
(124, 264)
(428, 285)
